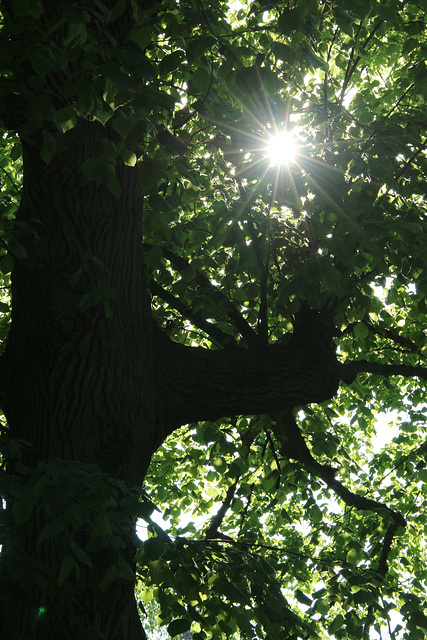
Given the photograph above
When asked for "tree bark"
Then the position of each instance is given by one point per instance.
(77, 385)
(206, 385)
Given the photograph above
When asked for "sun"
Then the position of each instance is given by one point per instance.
(281, 148)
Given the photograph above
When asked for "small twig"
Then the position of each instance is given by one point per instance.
(12, 181)
(411, 159)
(246, 509)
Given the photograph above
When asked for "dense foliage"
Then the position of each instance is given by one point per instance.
(283, 525)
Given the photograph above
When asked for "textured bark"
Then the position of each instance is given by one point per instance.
(206, 385)
(76, 384)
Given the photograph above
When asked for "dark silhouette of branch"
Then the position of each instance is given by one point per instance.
(212, 532)
(411, 159)
(243, 327)
(387, 542)
(294, 446)
(378, 330)
(349, 370)
(220, 337)
(351, 67)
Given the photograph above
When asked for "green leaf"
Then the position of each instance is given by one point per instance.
(420, 619)
(170, 62)
(160, 572)
(99, 170)
(117, 11)
(109, 576)
(80, 554)
(105, 290)
(233, 593)
(48, 148)
(141, 34)
(337, 624)
(153, 548)
(17, 249)
(31, 8)
(301, 597)
(180, 625)
(314, 61)
(121, 81)
(125, 572)
(89, 300)
(289, 21)
(114, 187)
(22, 509)
(172, 142)
(361, 331)
(52, 529)
(65, 118)
(201, 80)
(282, 51)
(16, 152)
(198, 46)
(67, 566)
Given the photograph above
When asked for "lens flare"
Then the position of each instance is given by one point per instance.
(281, 148)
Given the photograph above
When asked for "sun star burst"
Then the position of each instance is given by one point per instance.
(281, 148)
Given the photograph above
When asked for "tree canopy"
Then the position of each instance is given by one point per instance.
(201, 332)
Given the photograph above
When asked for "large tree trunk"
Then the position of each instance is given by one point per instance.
(77, 385)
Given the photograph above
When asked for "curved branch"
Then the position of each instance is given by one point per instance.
(295, 447)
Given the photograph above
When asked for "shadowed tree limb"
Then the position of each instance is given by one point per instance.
(294, 446)
(349, 370)
(219, 337)
(212, 532)
(394, 336)
(238, 321)
(230, 382)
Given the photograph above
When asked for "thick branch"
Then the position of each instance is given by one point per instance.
(199, 384)
(349, 370)
(294, 446)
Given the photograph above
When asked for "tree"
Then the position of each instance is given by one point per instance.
(197, 330)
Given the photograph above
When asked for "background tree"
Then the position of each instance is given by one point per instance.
(196, 329)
